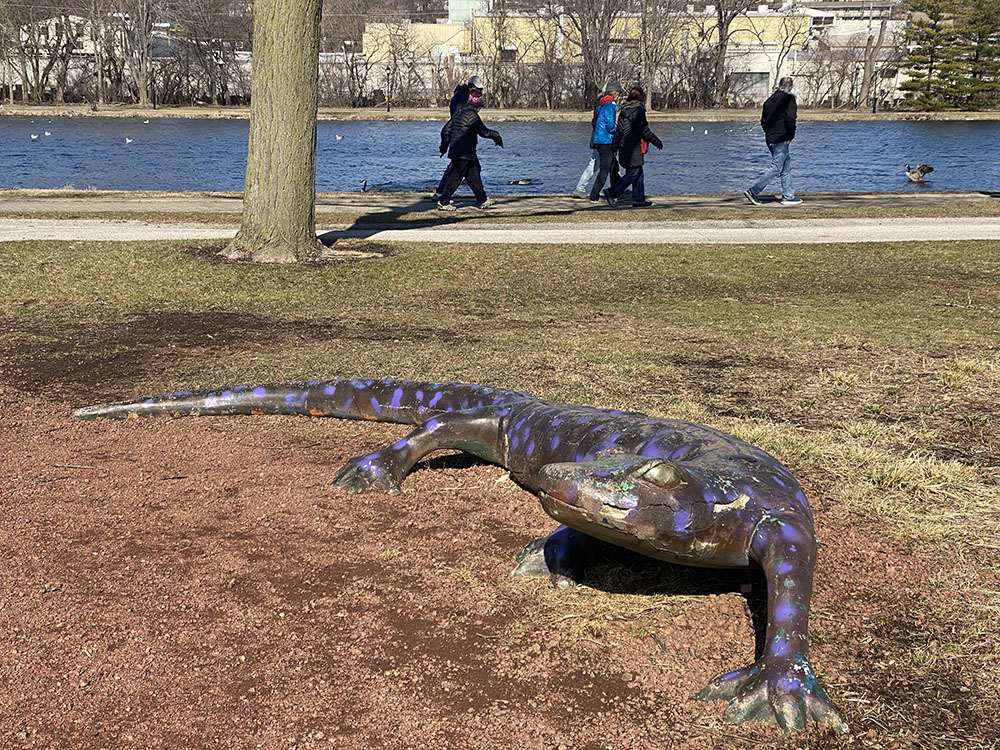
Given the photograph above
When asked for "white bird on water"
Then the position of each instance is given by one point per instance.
(34, 137)
(692, 128)
(128, 140)
(145, 122)
(340, 137)
(47, 133)
(706, 132)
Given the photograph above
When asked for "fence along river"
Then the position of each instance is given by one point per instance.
(115, 153)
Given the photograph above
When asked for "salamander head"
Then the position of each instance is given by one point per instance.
(613, 487)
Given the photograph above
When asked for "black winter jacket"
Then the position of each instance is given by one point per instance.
(778, 117)
(461, 133)
(459, 98)
(632, 126)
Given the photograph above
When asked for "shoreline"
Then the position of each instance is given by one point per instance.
(435, 114)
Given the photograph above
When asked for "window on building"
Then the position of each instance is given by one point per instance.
(508, 54)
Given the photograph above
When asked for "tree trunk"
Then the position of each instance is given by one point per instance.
(279, 221)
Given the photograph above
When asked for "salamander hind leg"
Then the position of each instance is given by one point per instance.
(474, 431)
(562, 556)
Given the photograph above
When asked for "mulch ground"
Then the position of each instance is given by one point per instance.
(197, 583)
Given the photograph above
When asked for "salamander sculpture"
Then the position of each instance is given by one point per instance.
(672, 490)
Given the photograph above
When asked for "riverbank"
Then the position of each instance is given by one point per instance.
(424, 114)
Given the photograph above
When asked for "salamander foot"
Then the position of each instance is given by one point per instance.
(561, 556)
(787, 695)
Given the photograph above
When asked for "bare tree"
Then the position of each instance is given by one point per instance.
(726, 11)
(36, 42)
(279, 219)
(589, 25)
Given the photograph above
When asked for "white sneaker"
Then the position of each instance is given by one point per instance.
(486, 204)
(791, 201)
(579, 194)
(447, 207)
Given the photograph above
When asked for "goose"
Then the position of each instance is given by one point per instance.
(522, 181)
(366, 189)
(918, 173)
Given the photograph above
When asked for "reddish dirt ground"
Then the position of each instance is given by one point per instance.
(197, 583)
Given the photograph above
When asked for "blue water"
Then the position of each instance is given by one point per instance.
(181, 154)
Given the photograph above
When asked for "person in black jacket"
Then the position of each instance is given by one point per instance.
(459, 138)
(458, 100)
(632, 130)
(778, 121)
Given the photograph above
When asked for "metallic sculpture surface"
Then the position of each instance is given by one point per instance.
(672, 490)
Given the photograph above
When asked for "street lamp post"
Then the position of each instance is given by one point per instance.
(388, 72)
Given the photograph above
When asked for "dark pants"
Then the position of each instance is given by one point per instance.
(444, 179)
(609, 165)
(634, 177)
(467, 169)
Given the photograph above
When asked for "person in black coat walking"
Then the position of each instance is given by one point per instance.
(778, 122)
(458, 100)
(632, 136)
(459, 138)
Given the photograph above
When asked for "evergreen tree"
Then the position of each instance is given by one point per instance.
(931, 35)
(955, 54)
(977, 84)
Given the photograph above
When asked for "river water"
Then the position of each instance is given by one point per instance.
(116, 153)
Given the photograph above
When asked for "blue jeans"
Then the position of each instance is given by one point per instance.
(781, 166)
(588, 172)
(633, 176)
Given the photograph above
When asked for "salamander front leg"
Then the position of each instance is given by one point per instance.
(781, 687)
(473, 431)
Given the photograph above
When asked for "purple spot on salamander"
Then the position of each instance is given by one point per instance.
(149, 401)
(783, 611)
(397, 398)
(682, 520)
(780, 481)
(799, 496)
(432, 424)
(399, 444)
(555, 442)
(790, 684)
(259, 392)
(779, 647)
(376, 405)
(435, 399)
(330, 390)
(784, 568)
(227, 395)
(419, 395)
(531, 448)
(652, 450)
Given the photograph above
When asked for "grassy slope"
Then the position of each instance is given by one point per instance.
(872, 371)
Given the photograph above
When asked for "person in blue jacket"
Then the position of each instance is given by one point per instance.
(604, 134)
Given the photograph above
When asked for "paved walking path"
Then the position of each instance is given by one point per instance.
(712, 232)
(515, 219)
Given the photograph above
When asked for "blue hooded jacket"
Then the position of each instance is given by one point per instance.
(604, 128)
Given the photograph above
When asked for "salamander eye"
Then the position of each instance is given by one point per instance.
(663, 474)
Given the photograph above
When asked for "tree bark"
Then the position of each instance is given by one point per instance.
(279, 221)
